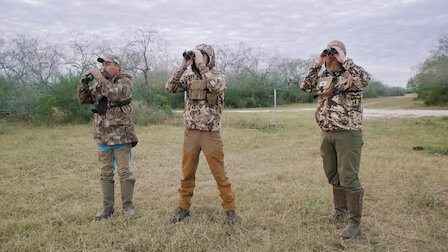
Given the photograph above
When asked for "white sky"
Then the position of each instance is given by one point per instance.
(386, 37)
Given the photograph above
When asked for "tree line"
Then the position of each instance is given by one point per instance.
(38, 78)
(431, 80)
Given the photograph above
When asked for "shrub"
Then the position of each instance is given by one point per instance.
(431, 80)
(15, 99)
(59, 103)
(144, 114)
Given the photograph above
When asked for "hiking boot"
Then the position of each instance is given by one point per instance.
(354, 203)
(180, 215)
(107, 189)
(127, 191)
(232, 218)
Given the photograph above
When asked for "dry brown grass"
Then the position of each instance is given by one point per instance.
(49, 189)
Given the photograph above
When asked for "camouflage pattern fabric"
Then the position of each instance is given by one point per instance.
(199, 115)
(116, 126)
(341, 111)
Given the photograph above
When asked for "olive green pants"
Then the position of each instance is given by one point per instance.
(341, 156)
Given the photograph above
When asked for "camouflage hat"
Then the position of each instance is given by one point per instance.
(109, 58)
(336, 43)
(210, 52)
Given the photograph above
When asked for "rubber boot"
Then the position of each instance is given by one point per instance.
(107, 189)
(340, 204)
(354, 203)
(127, 191)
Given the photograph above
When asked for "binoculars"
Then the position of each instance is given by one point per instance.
(190, 54)
(88, 78)
(330, 51)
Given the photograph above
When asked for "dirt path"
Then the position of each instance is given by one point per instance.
(368, 113)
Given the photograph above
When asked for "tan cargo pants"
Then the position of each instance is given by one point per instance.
(112, 160)
(211, 144)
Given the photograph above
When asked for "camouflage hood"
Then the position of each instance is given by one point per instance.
(210, 52)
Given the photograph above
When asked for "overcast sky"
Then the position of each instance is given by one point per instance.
(387, 37)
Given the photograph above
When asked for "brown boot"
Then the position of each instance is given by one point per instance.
(107, 189)
(340, 205)
(127, 191)
(354, 203)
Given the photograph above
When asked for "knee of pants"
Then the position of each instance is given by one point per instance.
(223, 181)
(107, 172)
(187, 183)
(351, 183)
(332, 175)
(334, 180)
(107, 176)
(126, 176)
(130, 178)
(188, 175)
(190, 163)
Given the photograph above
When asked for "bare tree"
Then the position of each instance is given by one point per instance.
(31, 61)
(82, 54)
(243, 59)
(144, 52)
(291, 71)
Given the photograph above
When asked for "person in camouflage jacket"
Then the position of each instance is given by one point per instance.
(339, 115)
(113, 130)
(202, 118)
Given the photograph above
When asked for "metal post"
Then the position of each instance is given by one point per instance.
(275, 107)
(274, 120)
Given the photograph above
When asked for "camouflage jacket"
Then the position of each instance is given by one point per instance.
(115, 126)
(342, 110)
(199, 114)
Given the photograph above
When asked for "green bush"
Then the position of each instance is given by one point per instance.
(59, 103)
(431, 80)
(144, 114)
(155, 97)
(378, 89)
(15, 99)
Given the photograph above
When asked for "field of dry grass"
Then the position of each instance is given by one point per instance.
(49, 189)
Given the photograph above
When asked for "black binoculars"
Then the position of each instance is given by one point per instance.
(330, 51)
(190, 54)
(88, 78)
